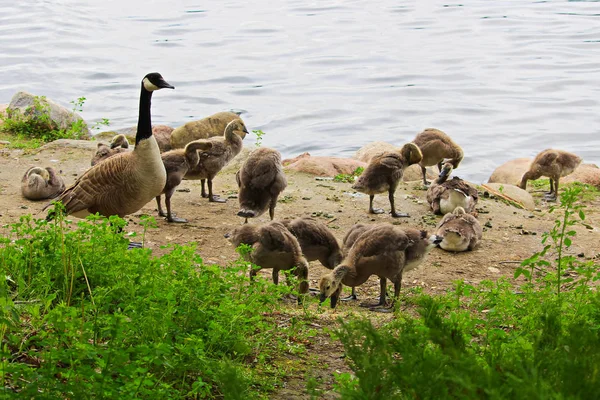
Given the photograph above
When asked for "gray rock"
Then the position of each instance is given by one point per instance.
(61, 117)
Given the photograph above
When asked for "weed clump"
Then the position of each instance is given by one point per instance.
(349, 178)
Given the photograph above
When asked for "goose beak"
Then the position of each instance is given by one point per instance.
(165, 85)
(443, 173)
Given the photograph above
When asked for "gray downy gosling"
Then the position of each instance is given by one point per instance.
(260, 181)
(119, 144)
(460, 231)
(436, 147)
(554, 164)
(224, 149)
(177, 163)
(41, 183)
(385, 251)
(351, 236)
(384, 173)
(273, 247)
(444, 196)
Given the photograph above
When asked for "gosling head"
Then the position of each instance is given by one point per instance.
(43, 172)
(432, 241)
(446, 171)
(246, 234)
(329, 287)
(237, 127)
(154, 81)
(119, 141)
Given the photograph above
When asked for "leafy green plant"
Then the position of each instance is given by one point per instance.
(259, 137)
(349, 178)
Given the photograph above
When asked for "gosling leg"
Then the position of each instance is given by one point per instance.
(439, 166)
(212, 198)
(203, 193)
(394, 213)
(424, 172)
(382, 288)
(272, 208)
(171, 216)
(161, 213)
(386, 309)
(374, 210)
(553, 194)
(352, 297)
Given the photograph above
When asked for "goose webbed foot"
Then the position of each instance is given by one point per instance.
(399, 215)
(216, 199)
(371, 306)
(162, 214)
(376, 211)
(352, 297)
(134, 245)
(204, 195)
(550, 197)
(313, 290)
(387, 309)
(175, 219)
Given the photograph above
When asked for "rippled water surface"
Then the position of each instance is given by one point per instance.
(504, 78)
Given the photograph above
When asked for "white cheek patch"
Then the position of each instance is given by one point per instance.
(149, 86)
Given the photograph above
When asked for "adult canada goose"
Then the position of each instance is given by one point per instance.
(385, 251)
(384, 172)
(273, 246)
(212, 160)
(460, 231)
(445, 195)
(177, 163)
(436, 147)
(119, 144)
(553, 164)
(210, 126)
(260, 181)
(124, 183)
(41, 183)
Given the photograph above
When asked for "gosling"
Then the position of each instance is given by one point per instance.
(274, 247)
(177, 163)
(224, 149)
(351, 236)
(384, 173)
(316, 241)
(436, 147)
(213, 125)
(444, 196)
(260, 181)
(460, 231)
(386, 251)
(119, 144)
(553, 164)
(41, 183)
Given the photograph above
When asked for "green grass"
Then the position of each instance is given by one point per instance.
(349, 178)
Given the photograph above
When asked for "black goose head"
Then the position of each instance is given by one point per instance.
(154, 81)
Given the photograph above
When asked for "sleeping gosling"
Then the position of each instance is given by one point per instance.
(119, 144)
(436, 147)
(41, 183)
(444, 196)
(274, 247)
(553, 164)
(460, 231)
(384, 173)
(385, 251)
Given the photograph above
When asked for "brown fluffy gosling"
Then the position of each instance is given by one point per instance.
(274, 247)
(384, 173)
(119, 144)
(351, 236)
(224, 149)
(41, 183)
(260, 181)
(177, 163)
(213, 125)
(386, 251)
(436, 147)
(460, 231)
(444, 196)
(554, 164)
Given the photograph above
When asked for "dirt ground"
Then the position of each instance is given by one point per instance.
(510, 236)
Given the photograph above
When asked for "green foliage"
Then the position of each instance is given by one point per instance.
(349, 178)
(81, 316)
(259, 137)
(489, 341)
(35, 124)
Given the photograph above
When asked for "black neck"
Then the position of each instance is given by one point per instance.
(144, 127)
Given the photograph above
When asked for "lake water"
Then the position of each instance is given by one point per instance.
(505, 79)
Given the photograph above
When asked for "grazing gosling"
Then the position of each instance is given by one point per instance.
(177, 163)
(273, 246)
(41, 183)
(436, 147)
(351, 236)
(460, 231)
(553, 164)
(384, 173)
(444, 196)
(260, 180)
(316, 241)
(212, 160)
(119, 144)
(386, 251)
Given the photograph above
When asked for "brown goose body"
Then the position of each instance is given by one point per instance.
(124, 183)
(444, 196)
(316, 241)
(554, 164)
(177, 163)
(213, 125)
(260, 181)
(273, 247)
(223, 149)
(436, 146)
(386, 251)
(383, 174)
(119, 144)
(460, 231)
(41, 183)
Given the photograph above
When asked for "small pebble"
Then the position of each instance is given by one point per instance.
(488, 224)
(24, 207)
(306, 198)
(185, 190)
(581, 255)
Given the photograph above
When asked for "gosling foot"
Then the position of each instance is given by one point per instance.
(216, 199)
(134, 245)
(162, 214)
(368, 305)
(376, 211)
(352, 297)
(177, 219)
(382, 309)
(400, 215)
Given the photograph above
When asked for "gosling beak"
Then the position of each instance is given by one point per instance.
(322, 298)
(246, 130)
(227, 235)
(443, 173)
(334, 299)
(438, 239)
